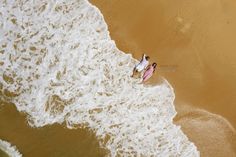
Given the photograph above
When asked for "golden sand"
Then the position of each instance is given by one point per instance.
(193, 43)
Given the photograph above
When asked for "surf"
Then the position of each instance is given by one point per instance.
(10, 150)
(59, 65)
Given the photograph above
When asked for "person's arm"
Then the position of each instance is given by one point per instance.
(143, 57)
(148, 67)
(154, 69)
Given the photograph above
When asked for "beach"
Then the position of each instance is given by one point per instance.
(77, 101)
(193, 44)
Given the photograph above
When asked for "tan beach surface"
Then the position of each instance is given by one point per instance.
(193, 43)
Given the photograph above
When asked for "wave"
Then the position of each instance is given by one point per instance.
(9, 149)
(59, 64)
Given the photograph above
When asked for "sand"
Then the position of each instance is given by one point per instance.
(194, 46)
(193, 43)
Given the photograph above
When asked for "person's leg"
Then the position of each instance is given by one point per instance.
(133, 72)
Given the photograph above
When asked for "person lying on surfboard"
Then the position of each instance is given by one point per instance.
(141, 65)
(149, 72)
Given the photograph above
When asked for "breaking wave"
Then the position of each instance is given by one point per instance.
(9, 149)
(58, 64)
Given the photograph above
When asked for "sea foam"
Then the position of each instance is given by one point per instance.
(59, 64)
(9, 149)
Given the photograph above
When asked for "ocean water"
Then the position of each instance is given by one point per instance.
(59, 65)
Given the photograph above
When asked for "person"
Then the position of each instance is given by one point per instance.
(141, 65)
(149, 72)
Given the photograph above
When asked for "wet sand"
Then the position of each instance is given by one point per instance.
(193, 43)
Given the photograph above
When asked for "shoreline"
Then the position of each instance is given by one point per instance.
(128, 39)
(193, 120)
(128, 122)
(196, 69)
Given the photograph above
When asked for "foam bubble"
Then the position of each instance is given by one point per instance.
(9, 149)
(60, 65)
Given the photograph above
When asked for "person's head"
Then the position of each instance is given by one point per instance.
(147, 58)
(154, 65)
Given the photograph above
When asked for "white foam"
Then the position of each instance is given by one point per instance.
(59, 64)
(9, 149)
